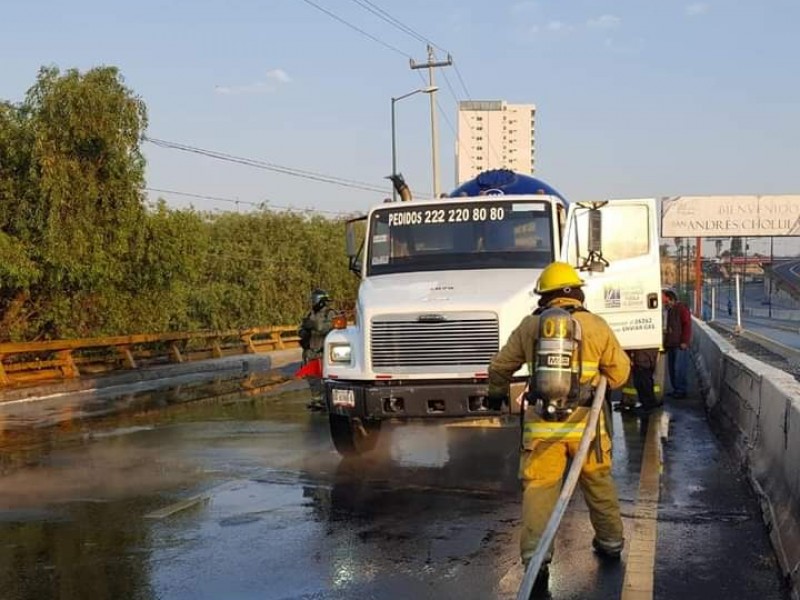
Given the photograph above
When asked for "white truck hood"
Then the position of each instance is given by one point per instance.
(507, 294)
(449, 291)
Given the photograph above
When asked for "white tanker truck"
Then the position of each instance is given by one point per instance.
(444, 282)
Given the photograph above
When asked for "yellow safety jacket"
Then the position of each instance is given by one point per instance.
(601, 355)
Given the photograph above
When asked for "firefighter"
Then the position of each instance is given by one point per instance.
(312, 331)
(642, 386)
(551, 433)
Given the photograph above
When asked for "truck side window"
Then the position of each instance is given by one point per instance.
(632, 219)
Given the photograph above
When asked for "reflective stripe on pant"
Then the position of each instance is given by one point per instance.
(570, 430)
(542, 469)
(630, 395)
(641, 388)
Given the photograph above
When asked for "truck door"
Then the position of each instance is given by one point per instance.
(615, 247)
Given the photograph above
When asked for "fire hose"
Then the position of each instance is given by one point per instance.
(526, 587)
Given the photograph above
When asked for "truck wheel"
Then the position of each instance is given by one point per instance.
(352, 437)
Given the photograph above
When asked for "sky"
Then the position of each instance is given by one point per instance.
(634, 97)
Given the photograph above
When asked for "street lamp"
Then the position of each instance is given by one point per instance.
(425, 90)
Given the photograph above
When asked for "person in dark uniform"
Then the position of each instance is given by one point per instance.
(312, 331)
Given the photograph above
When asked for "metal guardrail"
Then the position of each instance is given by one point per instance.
(26, 362)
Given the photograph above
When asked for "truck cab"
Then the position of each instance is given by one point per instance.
(443, 284)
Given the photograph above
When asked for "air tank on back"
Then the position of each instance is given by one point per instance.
(499, 182)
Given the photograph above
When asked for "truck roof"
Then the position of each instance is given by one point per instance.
(503, 182)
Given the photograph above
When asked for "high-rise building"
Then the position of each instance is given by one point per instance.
(493, 134)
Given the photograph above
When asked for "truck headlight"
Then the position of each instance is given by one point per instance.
(340, 353)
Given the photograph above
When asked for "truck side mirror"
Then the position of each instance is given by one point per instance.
(355, 265)
(595, 241)
(353, 245)
(350, 239)
(594, 260)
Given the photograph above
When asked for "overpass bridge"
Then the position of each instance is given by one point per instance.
(226, 487)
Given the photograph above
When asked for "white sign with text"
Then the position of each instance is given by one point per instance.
(724, 216)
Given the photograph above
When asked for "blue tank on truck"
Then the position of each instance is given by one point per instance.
(502, 182)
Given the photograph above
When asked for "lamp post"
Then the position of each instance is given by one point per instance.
(771, 260)
(426, 90)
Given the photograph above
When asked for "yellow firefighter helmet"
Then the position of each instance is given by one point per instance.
(556, 276)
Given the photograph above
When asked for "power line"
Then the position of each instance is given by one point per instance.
(449, 123)
(268, 166)
(461, 79)
(397, 23)
(459, 142)
(408, 30)
(455, 133)
(450, 86)
(385, 16)
(333, 15)
(266, 204)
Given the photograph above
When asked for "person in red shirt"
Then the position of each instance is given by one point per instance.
(677, 337)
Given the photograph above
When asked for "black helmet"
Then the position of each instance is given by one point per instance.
(319, 298)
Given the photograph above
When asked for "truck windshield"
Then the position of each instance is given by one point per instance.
(483, 234)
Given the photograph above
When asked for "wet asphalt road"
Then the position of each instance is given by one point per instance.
(245, 498)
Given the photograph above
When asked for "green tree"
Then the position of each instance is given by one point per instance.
(84, 255)
(71, 194)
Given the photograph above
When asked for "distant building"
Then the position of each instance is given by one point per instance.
(493, 134)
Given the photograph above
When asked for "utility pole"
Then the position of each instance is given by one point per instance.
(698, 278)
(744, 272)
(431, 64)
(771, 271)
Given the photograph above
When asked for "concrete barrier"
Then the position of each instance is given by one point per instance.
(756, 408)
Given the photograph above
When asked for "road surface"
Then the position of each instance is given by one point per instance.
(245, 498)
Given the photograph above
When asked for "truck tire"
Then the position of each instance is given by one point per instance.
(353, 437)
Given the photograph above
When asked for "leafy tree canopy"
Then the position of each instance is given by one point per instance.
(83, 255)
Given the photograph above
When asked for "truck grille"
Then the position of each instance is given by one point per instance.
(456, 340)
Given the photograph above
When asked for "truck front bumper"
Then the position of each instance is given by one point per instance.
(374, 401)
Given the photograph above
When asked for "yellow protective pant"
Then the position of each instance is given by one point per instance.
(542, 469)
